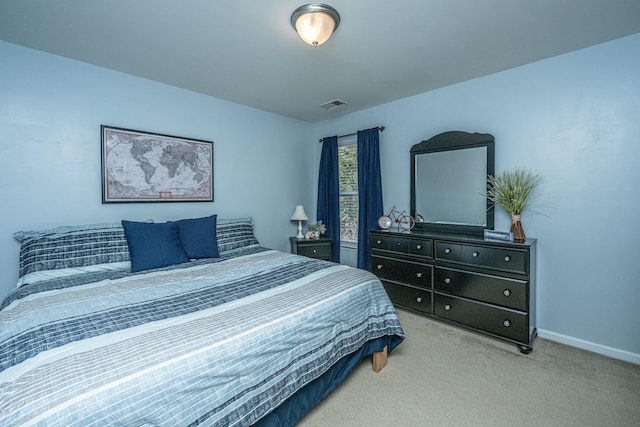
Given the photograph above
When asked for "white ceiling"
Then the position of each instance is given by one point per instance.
(246, 51)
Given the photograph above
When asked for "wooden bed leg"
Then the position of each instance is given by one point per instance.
(380, 360)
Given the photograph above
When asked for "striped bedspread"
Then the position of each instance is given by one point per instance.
(221, 342)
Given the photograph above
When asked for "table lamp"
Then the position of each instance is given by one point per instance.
(299, 215)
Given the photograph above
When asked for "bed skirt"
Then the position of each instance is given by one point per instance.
(298, 405)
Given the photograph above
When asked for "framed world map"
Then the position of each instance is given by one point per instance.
(145, 167)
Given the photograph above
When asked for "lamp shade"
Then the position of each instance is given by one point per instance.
(299, 214)
(315, 22)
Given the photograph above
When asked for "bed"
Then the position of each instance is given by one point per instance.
(190, 322)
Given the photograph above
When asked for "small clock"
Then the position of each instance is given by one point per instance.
(384, 222)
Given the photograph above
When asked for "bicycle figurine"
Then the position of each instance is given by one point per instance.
(403, 221)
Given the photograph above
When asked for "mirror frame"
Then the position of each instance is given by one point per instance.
(448, 141)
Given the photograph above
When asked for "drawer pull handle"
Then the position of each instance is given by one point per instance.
(447, 307)
(447, 251)
(399, 243)
(507, 258)
(506, 323)
(378, 242)
(379, 266)
(419, 299)
(418, 275)
(418, 247)
(315, 251)
(506, 292)
(475, 254)
(447, 280)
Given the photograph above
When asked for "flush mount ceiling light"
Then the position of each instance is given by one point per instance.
(315, 22)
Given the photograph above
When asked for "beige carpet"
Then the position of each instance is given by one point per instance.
(443, 375)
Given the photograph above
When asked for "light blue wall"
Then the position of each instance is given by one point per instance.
(51, 109)
(576, 120)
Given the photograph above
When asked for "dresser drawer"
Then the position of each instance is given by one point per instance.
(406, 296)
(482, 256)
(510, 260)
(399, 244)
(448, 251)
(402, 245)
(320, 251)
(423, 248)
(402, 271)
(465, 254)
(380, 242)
(495, 290)
(495, 320)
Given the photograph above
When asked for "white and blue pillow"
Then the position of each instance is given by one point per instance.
(236, 233)
(70, 250)
(64, 251)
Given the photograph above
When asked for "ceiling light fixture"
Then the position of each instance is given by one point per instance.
(315, 22)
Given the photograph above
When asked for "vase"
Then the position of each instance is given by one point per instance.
(516, 229)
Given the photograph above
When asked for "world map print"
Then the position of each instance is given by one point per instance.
(147, 167)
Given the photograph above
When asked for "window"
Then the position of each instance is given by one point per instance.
(348, 183)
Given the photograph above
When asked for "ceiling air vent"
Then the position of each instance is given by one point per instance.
(333, 104)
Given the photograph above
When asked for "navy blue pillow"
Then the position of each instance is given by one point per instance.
(198, 237)
(153, 245)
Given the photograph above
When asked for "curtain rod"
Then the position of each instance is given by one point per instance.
(380, 128)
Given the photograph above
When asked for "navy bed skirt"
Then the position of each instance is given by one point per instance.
(294, 408)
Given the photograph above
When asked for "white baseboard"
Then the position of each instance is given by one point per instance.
(627, 356)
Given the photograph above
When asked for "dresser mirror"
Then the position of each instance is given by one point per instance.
(448, 183)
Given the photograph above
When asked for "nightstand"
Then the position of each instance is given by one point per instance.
(313, 248)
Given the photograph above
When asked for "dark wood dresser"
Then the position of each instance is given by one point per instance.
(488, 286)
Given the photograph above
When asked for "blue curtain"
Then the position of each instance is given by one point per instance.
(370, 206)
(329, 194)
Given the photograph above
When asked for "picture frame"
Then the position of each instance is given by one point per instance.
(140, 166)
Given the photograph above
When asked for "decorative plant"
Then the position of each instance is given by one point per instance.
(512, 190)
(319, 227)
